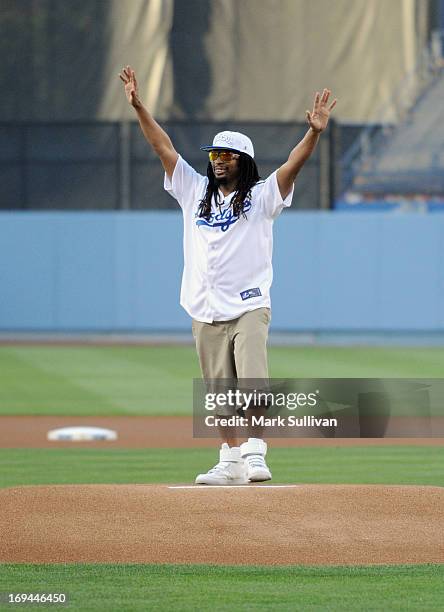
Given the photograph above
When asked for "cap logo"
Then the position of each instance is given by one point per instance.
(226, 138)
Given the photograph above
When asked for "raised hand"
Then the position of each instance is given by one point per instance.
(128, 76)
(318, 118)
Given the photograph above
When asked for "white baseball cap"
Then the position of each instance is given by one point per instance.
(232, 141)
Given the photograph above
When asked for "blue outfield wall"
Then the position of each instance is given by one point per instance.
(121, 271)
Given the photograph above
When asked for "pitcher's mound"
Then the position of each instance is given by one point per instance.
(257, 525)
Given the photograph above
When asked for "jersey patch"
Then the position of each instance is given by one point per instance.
(250, 293)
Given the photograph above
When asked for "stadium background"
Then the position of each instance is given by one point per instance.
(90, 250)
(71, 147)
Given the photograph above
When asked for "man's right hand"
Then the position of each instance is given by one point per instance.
(154, 134)
(128, 76)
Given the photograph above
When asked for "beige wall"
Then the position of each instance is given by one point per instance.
(138, 36)
(267, 57)
(207, 59)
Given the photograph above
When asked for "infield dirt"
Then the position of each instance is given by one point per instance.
(157, 432)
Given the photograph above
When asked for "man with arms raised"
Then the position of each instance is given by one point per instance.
(228, 222)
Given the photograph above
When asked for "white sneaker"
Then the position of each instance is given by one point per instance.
(229, 471)
(253, 453)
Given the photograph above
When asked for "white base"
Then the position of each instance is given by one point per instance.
(81, 434)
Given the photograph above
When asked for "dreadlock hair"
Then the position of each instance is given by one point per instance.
(248, 177)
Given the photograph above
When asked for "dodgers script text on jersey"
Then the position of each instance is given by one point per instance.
(223, 217)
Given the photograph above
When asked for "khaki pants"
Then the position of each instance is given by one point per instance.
(234, 349)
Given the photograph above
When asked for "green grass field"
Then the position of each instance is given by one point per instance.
(147, 380)
(352, 465)
(157, 380)
(142, 588)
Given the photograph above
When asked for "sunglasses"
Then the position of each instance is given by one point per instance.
(224, 156)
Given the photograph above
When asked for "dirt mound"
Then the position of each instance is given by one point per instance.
(264, 525)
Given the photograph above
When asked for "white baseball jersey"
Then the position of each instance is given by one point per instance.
(227, 259)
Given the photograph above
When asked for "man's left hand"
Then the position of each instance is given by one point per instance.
(318, 118)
